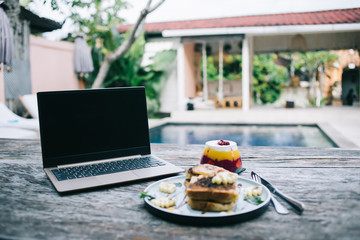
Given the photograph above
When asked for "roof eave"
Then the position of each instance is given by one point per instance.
(263, 30)
(39, 24)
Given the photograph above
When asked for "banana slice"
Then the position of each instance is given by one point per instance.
(164, 202)
(224, 178)
(166, 187)
(253, 191)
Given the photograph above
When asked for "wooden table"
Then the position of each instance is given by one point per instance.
(326, 180)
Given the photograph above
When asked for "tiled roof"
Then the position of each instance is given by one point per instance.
(338, 16)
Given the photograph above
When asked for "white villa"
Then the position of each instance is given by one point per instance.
(246, 35)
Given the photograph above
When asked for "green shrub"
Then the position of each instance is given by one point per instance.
(268, 78)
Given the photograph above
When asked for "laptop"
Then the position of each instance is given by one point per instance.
(92, 138)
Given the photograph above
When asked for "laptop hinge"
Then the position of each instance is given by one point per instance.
(98, 161)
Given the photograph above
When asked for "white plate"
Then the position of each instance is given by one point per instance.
(183, 213)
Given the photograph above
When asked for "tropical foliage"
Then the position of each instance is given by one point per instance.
(128, 70)
(92, 17)
(308, 62)
(268, 78)
(100, 26)
(99, 21)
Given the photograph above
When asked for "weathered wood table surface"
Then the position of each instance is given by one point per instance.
(326, 180)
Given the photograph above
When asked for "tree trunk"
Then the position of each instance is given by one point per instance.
(124, 47)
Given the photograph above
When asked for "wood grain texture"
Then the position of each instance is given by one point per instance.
(326, 180)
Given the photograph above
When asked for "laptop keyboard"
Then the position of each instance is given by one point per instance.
(105, 168)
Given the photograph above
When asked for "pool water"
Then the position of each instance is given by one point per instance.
(243, 135)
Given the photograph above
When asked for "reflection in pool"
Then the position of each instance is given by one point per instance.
(243, 135)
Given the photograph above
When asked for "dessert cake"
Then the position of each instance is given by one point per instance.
(222, 153)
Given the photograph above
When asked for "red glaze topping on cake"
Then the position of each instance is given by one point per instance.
(222, 143)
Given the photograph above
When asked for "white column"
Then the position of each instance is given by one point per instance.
(181, 78)
(247, 55)
(221, 92)
(320, 88)
(205, 87)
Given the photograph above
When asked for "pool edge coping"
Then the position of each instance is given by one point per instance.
(337, 137)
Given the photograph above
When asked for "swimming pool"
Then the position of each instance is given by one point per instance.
(243, 135)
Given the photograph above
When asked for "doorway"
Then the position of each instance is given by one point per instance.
(350, 86)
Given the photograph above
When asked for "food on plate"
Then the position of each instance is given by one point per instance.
(211, 188)
(210, 206)
(202, 188)
(164, 202)
(224, 178)
(167, 187)
(222, 153)
(203, 170)
(253, 191)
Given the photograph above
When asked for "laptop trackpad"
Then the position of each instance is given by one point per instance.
(117, 177)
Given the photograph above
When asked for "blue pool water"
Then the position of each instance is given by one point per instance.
(243, 135)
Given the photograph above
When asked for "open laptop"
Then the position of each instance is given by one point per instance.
(91, 138)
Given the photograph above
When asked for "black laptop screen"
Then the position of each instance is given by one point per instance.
(86, 125)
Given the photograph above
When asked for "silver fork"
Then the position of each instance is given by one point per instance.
(277, 205)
